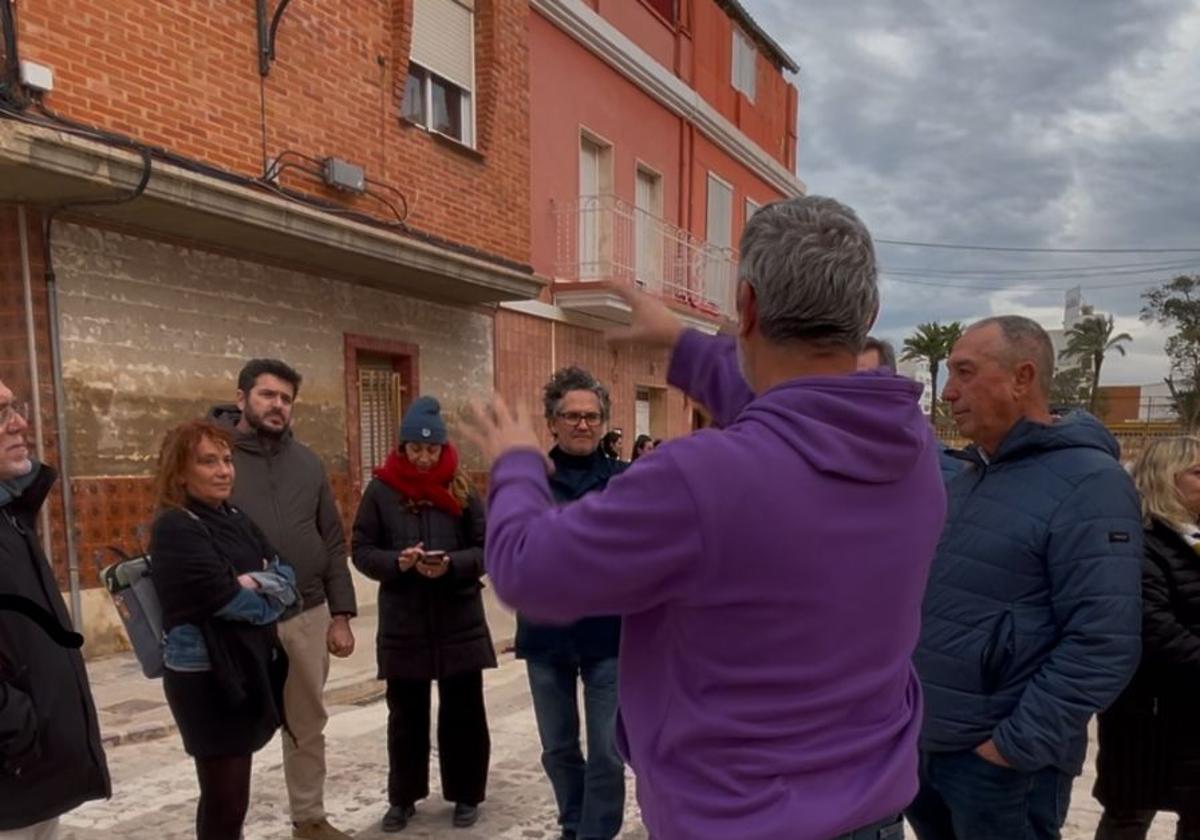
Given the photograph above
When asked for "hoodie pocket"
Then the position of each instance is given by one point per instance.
(997, 654)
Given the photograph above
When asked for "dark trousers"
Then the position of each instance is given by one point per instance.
(964, 797)
(224, 796)
(590, 794)
(464, 746)
(1134, 825)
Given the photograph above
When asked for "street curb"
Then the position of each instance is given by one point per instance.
(358, 691)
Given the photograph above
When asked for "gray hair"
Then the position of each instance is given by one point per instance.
(887, 353)
(1025, 341)
(569, 379)
(811, 263)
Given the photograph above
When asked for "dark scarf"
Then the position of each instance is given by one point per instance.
(577, 475)
(429, 488)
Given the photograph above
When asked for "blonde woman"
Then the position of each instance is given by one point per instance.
(1150, 739)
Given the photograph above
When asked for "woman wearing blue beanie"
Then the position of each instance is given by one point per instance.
(419, 532)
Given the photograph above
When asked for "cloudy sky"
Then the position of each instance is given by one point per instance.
(1022, 123)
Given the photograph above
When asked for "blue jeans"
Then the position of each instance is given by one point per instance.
(591, 794)
(964, 797)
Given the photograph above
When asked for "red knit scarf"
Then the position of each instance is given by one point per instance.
(432, 487)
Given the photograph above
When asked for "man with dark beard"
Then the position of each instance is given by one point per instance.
(281, 484)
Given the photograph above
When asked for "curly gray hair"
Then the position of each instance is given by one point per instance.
(573, 378)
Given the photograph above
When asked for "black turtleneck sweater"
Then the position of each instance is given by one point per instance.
(590, 638)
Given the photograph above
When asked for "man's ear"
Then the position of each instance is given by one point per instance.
(747, 308)
(1025, 377)
(240, 399)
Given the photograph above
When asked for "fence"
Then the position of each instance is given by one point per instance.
(1132, 437)
(601, 237)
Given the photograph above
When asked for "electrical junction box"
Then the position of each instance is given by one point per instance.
(343, 175)
(37, 76)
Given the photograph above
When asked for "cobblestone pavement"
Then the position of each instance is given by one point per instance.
(155, 789)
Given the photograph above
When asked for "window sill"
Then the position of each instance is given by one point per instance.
(445, 140)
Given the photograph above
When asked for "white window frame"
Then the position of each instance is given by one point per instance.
(467, 94)
(648, 235)
(717, 179)
(595, 242)
(744, 63)
(718, 285)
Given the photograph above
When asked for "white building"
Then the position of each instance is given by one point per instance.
(918, 370)
(1075, 311)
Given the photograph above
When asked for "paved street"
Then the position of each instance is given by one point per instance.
(155, 788)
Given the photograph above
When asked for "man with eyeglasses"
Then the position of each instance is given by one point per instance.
(769, 572)
(51, 758)
(590, 793)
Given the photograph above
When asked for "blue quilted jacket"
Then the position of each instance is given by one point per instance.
(1032, 617)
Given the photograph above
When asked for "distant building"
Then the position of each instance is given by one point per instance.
(1149, 403)
(1075, 311)
(918, 370)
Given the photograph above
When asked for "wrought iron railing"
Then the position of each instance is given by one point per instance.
(602, 237)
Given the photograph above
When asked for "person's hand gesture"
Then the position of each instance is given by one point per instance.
(652, 324)
(497, 429)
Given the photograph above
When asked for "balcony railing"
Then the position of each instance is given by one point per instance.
(604, 238)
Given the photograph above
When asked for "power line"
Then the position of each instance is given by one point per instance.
(947, 246)
(965, 288)
(1070, 271)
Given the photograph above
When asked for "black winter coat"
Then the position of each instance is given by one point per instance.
(428, 628)
(1150, 738)
(51, 758)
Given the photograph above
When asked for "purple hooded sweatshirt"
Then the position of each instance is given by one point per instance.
(770, 577)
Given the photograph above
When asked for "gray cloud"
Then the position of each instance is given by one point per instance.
(1073, 123)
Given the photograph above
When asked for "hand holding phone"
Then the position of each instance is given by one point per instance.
(434, 564)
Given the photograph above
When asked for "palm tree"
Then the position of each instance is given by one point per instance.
(933, 343)
(1091, 339)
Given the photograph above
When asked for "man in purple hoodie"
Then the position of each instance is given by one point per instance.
(770, 572)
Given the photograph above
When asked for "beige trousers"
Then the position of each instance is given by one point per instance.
(47, 830)
(304, 637)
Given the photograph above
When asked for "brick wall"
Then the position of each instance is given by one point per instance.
(154, 333)
(14, 348)
(530, 349)
(184, 75)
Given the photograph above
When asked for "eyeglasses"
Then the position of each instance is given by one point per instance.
(10, 412)
(572, 418)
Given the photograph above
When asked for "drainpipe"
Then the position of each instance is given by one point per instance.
(64, 452)
(35, 387)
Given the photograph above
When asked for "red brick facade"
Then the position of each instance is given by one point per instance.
(184, 76)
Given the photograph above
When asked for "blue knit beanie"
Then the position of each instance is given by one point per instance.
(423, 422)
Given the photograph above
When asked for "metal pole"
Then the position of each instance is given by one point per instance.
(60, 407)
(35, 388)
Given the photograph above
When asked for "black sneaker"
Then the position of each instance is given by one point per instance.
(465, 815)
(397, 818)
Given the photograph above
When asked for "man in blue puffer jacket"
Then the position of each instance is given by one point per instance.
(1032, 617)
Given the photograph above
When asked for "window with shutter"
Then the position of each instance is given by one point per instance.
(744, 63)
(441, 78)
